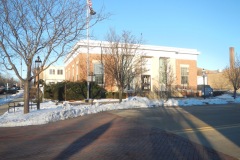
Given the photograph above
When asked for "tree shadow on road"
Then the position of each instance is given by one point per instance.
(166, 144)
(83, 142)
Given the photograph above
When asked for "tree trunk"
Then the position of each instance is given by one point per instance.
(234, 93)
(26, 96)
(120, 94)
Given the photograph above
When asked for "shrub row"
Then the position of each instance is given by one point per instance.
(73, 91)
(115, 95)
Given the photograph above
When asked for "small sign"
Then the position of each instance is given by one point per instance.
(91, 78)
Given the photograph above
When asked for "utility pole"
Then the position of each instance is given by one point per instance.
(204, 75)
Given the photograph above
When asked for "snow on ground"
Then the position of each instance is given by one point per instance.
(51, 112)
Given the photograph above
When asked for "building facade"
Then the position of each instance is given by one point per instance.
(85, 59)
(53, 74)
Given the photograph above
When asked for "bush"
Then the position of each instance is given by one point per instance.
(73, 91)
(47, 92)
(115, 95)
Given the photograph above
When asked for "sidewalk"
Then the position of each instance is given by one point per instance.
(104, 136)
(4, 107)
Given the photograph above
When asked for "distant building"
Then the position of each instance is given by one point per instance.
(53, 74)
(215, 79)
(231, 56)
(183, 61)
(218, 81)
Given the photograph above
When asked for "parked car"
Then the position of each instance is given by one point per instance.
(208, 90)
(2, 90)
(12, 90)
(17, 87)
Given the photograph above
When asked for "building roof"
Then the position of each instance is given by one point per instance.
(148, 50)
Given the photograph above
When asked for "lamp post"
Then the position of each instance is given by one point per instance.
(20, 85)
(38, 64)
(90, 12)
(91, 78)
(204, 75)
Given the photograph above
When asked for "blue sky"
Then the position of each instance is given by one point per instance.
(210, 26)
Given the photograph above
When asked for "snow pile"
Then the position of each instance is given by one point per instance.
(50, 112)
(9, 98)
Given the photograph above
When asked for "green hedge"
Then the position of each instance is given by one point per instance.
(73, 91)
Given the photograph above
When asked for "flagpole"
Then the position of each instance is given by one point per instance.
(90, 11)
(87, 50)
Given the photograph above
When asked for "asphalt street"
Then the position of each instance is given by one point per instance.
(214, 126)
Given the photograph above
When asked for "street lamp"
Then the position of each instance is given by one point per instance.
(90, 12)
(38, 64)
(91, 78)
(204, 75)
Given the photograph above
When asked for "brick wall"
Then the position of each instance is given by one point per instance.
(192, 64)
(218, 81)
(81, 62)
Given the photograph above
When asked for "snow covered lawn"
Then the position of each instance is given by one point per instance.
(50, 112)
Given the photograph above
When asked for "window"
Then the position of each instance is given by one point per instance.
(163, 62)
(184, 75)
(60, 72)
(52, 71)
(99, 78)
(98, 68)
(98, 71)
(147, 64)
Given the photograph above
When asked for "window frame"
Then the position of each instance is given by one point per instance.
(184, 73)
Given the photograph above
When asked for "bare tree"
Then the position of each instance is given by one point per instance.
(232, 73)
(122, 59)
(45, 28)
(6, 78)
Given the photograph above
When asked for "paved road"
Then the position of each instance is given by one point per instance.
(123, 134)
(217, 127)
(214, 126)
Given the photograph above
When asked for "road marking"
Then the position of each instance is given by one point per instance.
(200, 129)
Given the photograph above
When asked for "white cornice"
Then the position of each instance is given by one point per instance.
(148, 50)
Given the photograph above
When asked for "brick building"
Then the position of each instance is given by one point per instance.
(182, 60)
